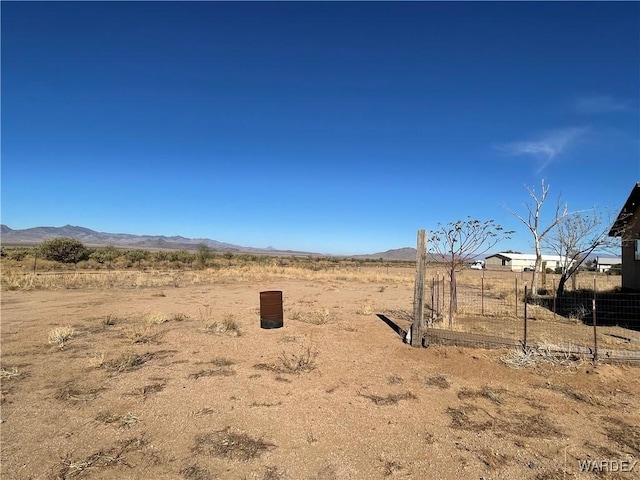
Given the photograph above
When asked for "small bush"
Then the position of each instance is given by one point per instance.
(59, 336)
(227, 325)
(364, 309)
(296, 363)
(156, 318)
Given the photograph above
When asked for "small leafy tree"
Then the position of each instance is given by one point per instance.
(64, 250)
(203, 255)
(137, 256)
(105, 255)
(460, 242)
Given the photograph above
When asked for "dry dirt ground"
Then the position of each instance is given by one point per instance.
(149, 385)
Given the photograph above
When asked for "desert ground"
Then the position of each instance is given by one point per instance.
(175, 379)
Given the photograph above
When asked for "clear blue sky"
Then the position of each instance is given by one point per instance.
(337, 128)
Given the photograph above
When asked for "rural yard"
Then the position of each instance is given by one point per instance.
(141, 375)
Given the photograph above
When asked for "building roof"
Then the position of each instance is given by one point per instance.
(608, 260)
(526, 256)
(627, 214)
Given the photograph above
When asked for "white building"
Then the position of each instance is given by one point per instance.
(517, 262)
(604, 264)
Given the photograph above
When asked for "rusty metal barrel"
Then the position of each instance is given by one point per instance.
(271, 309)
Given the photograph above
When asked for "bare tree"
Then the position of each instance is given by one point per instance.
(576, 237)
(461, 241)
(532, 221)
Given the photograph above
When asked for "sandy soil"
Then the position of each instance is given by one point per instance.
(334, 394)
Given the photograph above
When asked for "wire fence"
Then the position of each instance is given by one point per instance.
(590, 318)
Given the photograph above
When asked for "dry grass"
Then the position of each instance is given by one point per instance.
(390, 399)
(7, 373)
(128, 361)
(58, 336)
(230, 445)
(156, 318)
(365, 309)
(316, 316)
(194, 472)
(70, 392)
(215, 372)
(302, 362)
(228, 325)
(97, 360)
(109, 320)
(69, 468)
(438, 380)
(14, 279)
(139, 334)
(541, 354)
(486, 392)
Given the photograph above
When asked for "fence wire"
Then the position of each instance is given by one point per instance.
(590, 318)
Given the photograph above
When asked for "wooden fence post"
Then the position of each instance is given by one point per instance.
(417, 328)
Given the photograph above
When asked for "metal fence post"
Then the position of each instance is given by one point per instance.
(595, 328)
(595, 333)
(443, 292)
(554, 298)
(516, 297)
(525, 316)
(482, 293)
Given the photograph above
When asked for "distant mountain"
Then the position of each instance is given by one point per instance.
(403, 254)
(406, 253)
(32, 236)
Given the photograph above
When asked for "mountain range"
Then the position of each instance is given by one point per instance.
(33, 236)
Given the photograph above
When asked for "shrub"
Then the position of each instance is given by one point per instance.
(64, 250)
(59, 335)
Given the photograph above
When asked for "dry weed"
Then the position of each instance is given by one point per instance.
(303, 362)
(390, 399)
(542, 354)
(178, 317)
(139, 334)
(297, 363)
(6, 373)
(194, 472)
(231, 445)
(489, 393)
(156, 318)
(117, 455)
(128, 361)
(228, 325)
(364, 309)
(69, 392)
(97, 360)
(390, 467)
(272, 473)
(59, 336)
(438, 380)
(216, 372)
(130, 419)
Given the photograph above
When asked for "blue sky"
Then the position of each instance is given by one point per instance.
(338, 128)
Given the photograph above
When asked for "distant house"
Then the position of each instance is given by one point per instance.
(604, 264)
(517, 262)
(627, 226)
